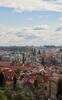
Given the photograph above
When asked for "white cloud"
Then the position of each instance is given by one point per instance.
(60, 20)
(59, 27)
(8, 36)
(32, 5)
(35, 35)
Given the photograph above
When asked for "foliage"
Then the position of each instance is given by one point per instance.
(2, 96)
(20, 96)
(8, 93)
(17, 72)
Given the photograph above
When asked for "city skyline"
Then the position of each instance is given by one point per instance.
(30, 22)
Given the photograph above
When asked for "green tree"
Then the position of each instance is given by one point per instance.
(20, 96)
(2, 96)
(8, 93)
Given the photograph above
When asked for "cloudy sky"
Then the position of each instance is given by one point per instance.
(30, 22)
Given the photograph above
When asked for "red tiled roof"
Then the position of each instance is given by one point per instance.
(8, 65)
(4, 64)
(9, 70)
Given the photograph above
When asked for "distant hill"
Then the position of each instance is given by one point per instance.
(16, 48)
(52, 46)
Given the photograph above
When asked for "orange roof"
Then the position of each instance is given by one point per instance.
(22, 68)
(7, 65)
(4, 64)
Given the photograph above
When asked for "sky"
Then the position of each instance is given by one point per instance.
(30, 22)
